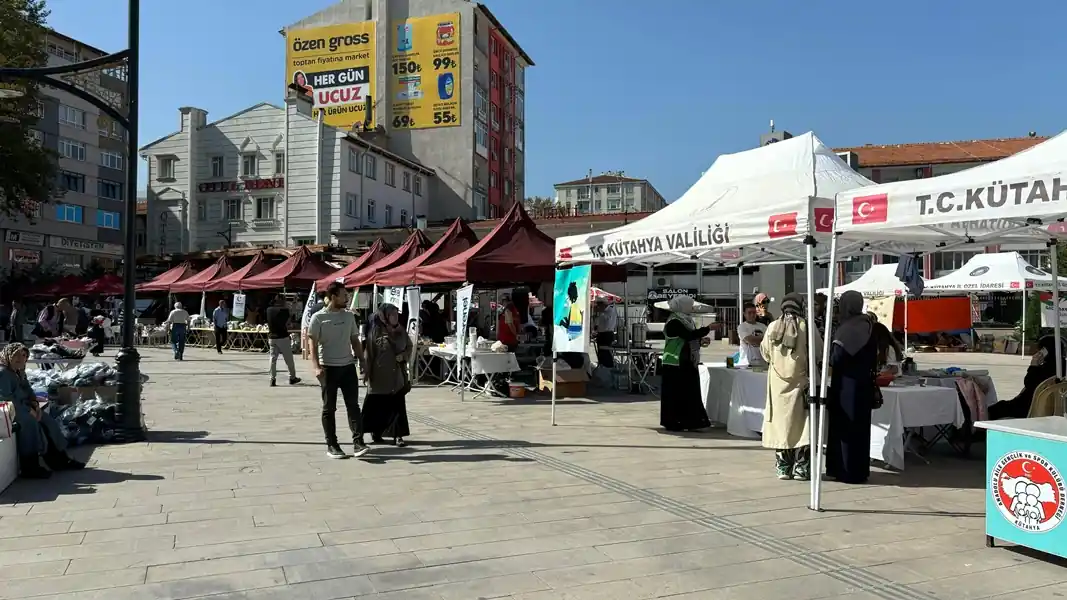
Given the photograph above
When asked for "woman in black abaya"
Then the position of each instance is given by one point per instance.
(681, 406)
(853, 358)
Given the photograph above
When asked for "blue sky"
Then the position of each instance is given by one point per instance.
(659, 89)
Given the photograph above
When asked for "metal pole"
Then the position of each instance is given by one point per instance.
(817, 462)
(1056, 307)
(1022, 336)
(813, 401)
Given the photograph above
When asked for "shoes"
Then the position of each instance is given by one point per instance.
(273, 383)
(334, 451)
(359, 449)
(377, 439)
(293, 380)
(399, 442)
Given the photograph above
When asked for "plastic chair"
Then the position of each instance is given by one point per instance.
(1047, 398)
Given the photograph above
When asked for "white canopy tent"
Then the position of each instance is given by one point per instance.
(997, 272)
(879, 280)
(1019, 198)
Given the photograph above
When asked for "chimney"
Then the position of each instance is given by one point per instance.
(191, 118)
(300, 99)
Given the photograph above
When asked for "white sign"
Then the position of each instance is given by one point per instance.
(65, 243)
(239, 306)
(305, 319)
(414, 304)
(26, 238)
(24, 257)
(463, 310)
(394, 296)
(1048, 314)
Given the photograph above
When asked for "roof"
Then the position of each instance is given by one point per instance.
(233, 281)
(458, 238)
(940, 153)
(199, 282)
(299, 270)
(66, 37)
(213, 123)
(163, 281)
(601, 179)
(504, 32)
(412, 248)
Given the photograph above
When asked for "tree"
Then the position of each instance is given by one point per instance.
(28, 172)
(539, 204)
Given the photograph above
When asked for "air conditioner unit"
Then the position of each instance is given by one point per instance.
(851, 159)
(661, 281)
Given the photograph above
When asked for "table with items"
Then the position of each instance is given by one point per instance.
(243, 340)
(736, 397)
(640, 364)
(479, 371)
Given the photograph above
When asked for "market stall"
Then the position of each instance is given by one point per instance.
(164, 281)
(232, 282)
(375, 252)
(108, 285)
(198, 282)
(299, 271)
(965, 210)
(413, 247)
(457, 238)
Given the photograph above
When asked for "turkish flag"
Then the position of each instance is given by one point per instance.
(784, 225)
(824, 220)
(870, 209)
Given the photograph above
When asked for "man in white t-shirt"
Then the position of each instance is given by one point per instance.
(750, 332)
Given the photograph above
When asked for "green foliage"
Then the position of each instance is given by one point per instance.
(28, 172)
(1032, 309)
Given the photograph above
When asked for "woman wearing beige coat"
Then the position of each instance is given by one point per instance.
(785, 418)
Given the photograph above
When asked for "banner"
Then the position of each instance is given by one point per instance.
(424, 79)
(305, 319)
(464, 297)
(394, 296)
(414, 304)
(335, 66)
(570, 309)
(238, 306)
(1048, 314)
(355, 300)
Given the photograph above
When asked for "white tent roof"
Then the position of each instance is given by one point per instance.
(1000, 272)
(764, 201)
(879, 280)
(1021, 198)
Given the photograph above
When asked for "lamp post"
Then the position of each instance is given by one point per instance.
(129, 427)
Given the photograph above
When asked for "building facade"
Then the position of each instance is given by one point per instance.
(608, 193)
(902, 162)
(480, 161)
(85, 224)
(272, 176)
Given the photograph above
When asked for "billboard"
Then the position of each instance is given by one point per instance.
(424, 81)
(335, 65)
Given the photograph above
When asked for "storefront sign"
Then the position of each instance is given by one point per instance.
(666, 293)
(65, 243)
(242, 186)
(24, 237)
(24, 257)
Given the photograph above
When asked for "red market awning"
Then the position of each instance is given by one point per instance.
(108, 285)
(457, 238)
(163, 281)
(66, 285)
(198, 283)
(235, 281)
(377, 251)
(413, 247)
(301, 270)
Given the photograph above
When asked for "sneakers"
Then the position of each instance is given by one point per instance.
(359, 449)
(293, 380)
(273, 383)
(335, 451)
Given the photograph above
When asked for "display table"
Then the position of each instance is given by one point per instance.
(243, 340)
(492, 365)
(1026, 497)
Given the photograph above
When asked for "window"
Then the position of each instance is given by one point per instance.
(507, 96)
(61, 52)
(492, 45)
(72, 182)
(520, 105)
(493, 152)
(69, 213)
(520, 132)
(370, 210)
(108, 219)
(1037, 258)
(629, 190)
(233, 209)
(614, 205)
(947, 262)
(403, 217)
(71, 149)
(390, 174)
(67, 261)
(116, 72)
(507, 155)
(481, 139)
(371, 170)
(279, 162)
(509, 123)
(613, 190)
(113, 160)
(36, 137)
(353, 160)
(352, 205)
(492, 179)
(494, 116)
(201, 211)
(265, 208)
(303, 241)
(857, 267)
(481, 101)
(583, 193)
(217, 166)
(166, 168)
(112, 190)
(388, 215)
(418, 185)
(520, 77)
(38, 110)
(75, 117)
(249, 165)
(507, 188)
(407, 181)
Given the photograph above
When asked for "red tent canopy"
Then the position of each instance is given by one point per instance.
(515, 251)
(66, 285)
(458, 238)
(108, 285)
(235, 281)
(412, 248)
(198, 283)
(377, 251)
(300, 270)
(168, 278)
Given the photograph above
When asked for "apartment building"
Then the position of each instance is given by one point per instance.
(479, 156)
(608, 193)
(272, 176)
(85, 224)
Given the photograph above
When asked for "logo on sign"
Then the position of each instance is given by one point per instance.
(1028, 491)
(784, 225)
(824, 220)
(979, 272)
(870, 209)
(564, 253)
(1035, 271)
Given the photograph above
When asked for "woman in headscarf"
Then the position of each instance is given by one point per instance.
(890, 354)
(388, 348)
(853, 360)
(37, 433)
(681, 407)
(785, 418)
(1042, 366)
(70, 315)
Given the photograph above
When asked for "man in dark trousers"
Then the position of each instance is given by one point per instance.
(279, 341)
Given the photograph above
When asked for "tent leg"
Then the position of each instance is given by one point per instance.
(813, 448)
(553, 387)
(628, 332)
(818, 465)
(1022, 336)
(1056, 307)
(740, 293)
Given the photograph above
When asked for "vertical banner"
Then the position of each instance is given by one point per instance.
(305, 319)
(424, 81)
(239, 305)
(394, 296)
(570, 309)
(335, 67)
(414, 304)
(1048, 314)
(355, 300)
(464, 297)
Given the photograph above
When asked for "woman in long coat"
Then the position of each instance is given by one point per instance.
(853, 361)
(388, 348)
(681, 406)
(785, 418)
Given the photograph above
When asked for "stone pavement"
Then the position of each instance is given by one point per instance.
(232, 498)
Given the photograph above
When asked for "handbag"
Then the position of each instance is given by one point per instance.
(878, 400)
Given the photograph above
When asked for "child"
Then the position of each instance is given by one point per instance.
(96, 333)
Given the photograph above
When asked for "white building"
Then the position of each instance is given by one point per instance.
(271, 176)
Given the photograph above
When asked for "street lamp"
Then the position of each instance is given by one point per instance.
(128, 426)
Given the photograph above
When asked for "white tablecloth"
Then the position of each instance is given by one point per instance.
(737, 397)
(491, 363)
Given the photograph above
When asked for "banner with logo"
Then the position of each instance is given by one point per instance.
(570, 309)
(394, 296)
(305, 319)
(414, 298)
(424, 78)
(335, 66)
(238, 306)
(1048, 313)
(464, 298)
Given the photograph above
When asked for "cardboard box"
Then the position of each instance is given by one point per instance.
(570, 383)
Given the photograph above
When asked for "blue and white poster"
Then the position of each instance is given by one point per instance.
(570, 309)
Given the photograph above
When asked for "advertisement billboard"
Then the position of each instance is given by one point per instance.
(424, 77)
(335, 66)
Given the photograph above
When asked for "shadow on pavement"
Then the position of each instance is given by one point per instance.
(68, 483)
